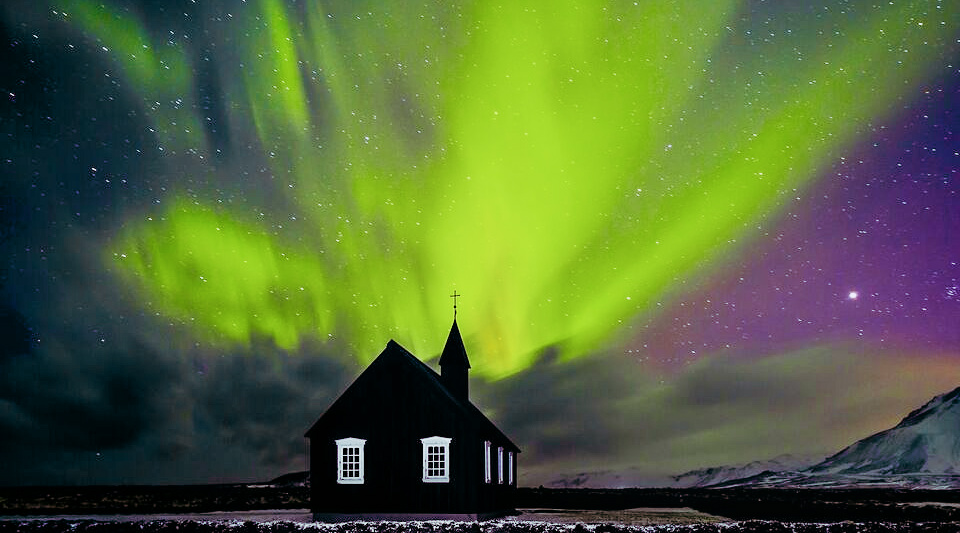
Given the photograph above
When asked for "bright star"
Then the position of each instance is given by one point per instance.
(853, 295)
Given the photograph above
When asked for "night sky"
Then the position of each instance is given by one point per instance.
(686, 233)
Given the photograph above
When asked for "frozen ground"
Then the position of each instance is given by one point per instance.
(641, 520)
(639, 516)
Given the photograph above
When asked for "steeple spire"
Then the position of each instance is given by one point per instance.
(454, 364)
(454, 353)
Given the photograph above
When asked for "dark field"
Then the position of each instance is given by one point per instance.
(148, 499)
(793, 505)
(561, 510)
(496, 526)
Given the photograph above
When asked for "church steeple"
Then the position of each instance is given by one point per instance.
(454, 364)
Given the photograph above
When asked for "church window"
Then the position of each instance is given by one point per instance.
(486, 462)
(350, 461)
(500, 465)
(436, 459)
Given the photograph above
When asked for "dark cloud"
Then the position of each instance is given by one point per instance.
(131, 411)
(115, 394)
(103, 401)
(609, 411)
(265, 403)
(558, 410)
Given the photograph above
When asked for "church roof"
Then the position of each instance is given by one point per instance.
(453, 351)
(395, 362)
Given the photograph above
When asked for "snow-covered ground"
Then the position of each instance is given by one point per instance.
(639, 516)
(494, 526)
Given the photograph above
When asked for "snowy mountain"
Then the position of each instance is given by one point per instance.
(607, 479)
(708, 477)
(703, 477)
(923, 450)
(927, 441)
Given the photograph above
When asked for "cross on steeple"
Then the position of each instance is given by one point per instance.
(455, 296)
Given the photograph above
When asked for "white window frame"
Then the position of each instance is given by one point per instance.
(343, 445)
(429, 471)
(487, 477)
(500, 464)
(510, 468)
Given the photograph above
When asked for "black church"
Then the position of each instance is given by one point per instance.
(405, 442)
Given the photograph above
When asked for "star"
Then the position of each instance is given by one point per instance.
(853, 295)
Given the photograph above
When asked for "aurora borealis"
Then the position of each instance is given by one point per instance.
(657, 213)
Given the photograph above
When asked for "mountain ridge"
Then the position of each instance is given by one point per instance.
(921, 451)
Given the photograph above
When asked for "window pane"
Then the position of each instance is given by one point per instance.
(351, 463)
(436, 461)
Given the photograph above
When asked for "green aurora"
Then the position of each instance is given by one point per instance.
(564, 167)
